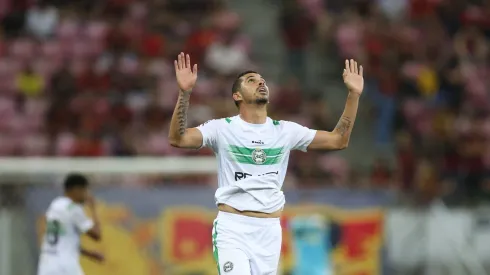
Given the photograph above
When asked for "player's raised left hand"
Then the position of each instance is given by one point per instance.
(353, 77)
(186, 74)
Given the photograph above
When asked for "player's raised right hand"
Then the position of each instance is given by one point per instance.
(185, 74)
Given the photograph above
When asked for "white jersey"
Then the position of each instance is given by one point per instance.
(253, 160)
(65, 222)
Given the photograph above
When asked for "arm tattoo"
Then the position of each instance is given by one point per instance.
(182, 108)
(343, 126)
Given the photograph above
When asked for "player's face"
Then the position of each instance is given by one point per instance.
(253, 90)
(81, 194)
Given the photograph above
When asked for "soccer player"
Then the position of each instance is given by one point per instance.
(253, 151)
(65, 221)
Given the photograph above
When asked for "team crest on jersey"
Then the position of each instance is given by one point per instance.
(256, 156)
(228, 267)
(259, 156)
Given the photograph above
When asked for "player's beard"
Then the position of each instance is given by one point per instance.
(262, 100)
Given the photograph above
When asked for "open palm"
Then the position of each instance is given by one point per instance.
(185, 74)
(353, 77)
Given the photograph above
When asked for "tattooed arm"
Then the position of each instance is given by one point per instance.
(339, 137)
(179, 135)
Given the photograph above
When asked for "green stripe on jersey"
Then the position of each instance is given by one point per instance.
(228, 120)
(256, 156)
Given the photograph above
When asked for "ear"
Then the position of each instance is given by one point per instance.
(237, 96)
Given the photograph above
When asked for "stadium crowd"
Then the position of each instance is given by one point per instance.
(95, 78)
(428, 65)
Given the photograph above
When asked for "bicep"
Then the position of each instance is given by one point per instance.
(325, 140)
(192, 139)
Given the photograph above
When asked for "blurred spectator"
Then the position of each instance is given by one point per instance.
(406, 159)
(226, 56)
(42, 19)
(287, 98)
(381, 174)
(426, 182)
(14, 16)
(88, 146)
(152, 44)
(29, 83)
(394, 10)
(199, 40)
(63, 85)
(296, 27)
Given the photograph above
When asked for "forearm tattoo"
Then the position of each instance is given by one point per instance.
(182, 108)
(344, 125)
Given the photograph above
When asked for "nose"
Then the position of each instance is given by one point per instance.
(261, 83)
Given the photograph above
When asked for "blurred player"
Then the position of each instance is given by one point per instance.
(253, 153)
(314, 237)
(65, 221)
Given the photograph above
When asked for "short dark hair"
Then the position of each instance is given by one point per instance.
(75, 181)
(237, 84)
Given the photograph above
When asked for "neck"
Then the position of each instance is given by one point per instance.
(68, 195)
(254, 114)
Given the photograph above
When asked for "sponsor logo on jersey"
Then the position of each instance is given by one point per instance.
(244, 175)
(256, 156)
(258, 142)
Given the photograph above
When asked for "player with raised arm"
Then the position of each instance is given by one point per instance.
(65, 221)
(253, 152)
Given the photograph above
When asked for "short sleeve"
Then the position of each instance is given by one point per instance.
(300, 136)
(209, 131)
(81, 221)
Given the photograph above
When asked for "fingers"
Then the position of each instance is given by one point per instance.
(184, 62)
(180, 61)
(351, 66)
(187, 61)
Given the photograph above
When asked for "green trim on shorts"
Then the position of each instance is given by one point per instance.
(215, 248)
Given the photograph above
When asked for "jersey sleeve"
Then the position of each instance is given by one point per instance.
(80, 219)
(209, 131)
(300, 136)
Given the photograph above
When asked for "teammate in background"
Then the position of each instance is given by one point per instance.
(314, 238)
(253, 152)
(65, 221)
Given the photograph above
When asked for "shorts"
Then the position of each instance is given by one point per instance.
(246, 246)
(49, 265)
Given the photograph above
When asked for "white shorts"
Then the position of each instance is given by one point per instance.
(246, 246)
(49, 265)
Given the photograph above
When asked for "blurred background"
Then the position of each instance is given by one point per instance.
(92, 81)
